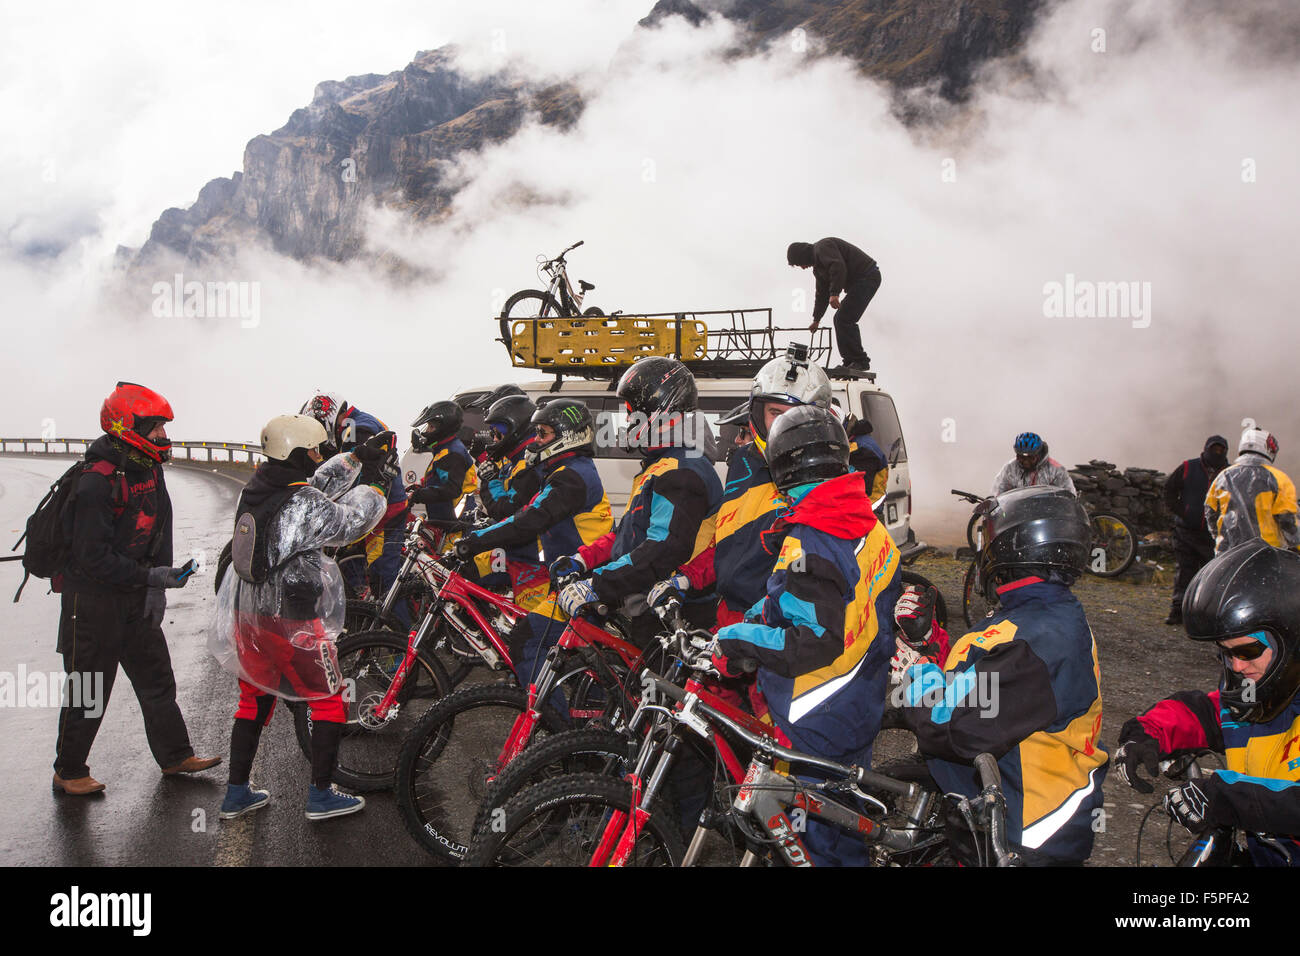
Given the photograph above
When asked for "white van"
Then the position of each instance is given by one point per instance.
(718, 396)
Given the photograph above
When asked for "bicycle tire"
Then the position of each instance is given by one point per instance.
(360, 615)
(368, 755)
(1114, 545)
(430, 810)
(568, 816)
(583, 750)
(908, 576)
(974, 606)
(971, 525)
(541, 305)
(593, 311)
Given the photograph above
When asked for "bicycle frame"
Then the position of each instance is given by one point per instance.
(560, 287)
(765, 795)
(451, 588)
(580, 636)
(619, 838)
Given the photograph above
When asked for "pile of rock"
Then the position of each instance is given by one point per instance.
(1135, 494)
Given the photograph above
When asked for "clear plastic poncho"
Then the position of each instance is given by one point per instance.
(280, 635)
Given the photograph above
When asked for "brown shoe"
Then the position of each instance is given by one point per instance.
(78, 787)
(192, 765)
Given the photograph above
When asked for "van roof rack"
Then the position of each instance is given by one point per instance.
(602, 347)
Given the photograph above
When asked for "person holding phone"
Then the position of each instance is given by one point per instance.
(113, 590)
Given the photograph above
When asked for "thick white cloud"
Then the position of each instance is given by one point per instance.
(687, 176)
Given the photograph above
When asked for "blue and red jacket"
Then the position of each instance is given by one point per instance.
(1025, 688)
(513, 487)
(668, 521)
(384, 543)
(1260, 790)
(823, 633)
(569, 512)
(447, 480)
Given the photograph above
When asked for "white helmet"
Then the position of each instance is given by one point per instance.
(284, 433)
(1258, 441)
(790, 380)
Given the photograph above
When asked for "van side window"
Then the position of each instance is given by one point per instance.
(878, 408)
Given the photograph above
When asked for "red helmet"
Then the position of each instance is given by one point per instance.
(131, 413)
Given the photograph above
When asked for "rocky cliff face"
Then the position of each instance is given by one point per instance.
(368, 138)
(388, 139)
(906, 42)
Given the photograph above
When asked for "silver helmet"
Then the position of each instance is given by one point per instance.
(790, 380)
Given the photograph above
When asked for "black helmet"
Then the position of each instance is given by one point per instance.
(511, 417)
(658, 391)
(1250, 588)
(1036, 530)
(445, 419)
(485, 401)
(806, 443)
(575, 430)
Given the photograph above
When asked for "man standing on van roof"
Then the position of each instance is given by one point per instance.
(839, 266)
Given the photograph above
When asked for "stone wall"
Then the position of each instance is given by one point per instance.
(1135, 494)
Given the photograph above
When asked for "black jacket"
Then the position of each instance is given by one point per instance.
(1185, 491)
(112, 550)
(837, 265)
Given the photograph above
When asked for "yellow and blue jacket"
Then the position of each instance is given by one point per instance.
(823, 632)
(1027, 689)
(1260, 790)
(669, 519)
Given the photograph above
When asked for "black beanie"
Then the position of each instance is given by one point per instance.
(799, 254)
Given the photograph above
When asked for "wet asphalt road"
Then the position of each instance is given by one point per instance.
(144, 818)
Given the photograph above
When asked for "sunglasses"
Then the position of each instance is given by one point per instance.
(1246, 652)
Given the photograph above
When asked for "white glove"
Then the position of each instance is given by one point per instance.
(576, 596)
(674, 587)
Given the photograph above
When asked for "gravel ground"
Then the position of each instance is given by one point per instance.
(1142, 660)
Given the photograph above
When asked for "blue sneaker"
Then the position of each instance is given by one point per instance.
(241, 798)
(323, 804)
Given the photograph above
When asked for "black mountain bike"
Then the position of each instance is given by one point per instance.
(560, 299)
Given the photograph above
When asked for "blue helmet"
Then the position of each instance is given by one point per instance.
(1028, 443)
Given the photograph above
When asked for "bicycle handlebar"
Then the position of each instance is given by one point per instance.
(969, 496)
(990, 776)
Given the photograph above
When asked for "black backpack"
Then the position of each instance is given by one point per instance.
(48, 543)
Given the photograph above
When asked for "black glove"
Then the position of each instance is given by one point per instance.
(167, 578)
(155, 605)
(1137, 749)
(486, 470)
(376, 447)
(466, 548)
(564, 567)
(378, 457)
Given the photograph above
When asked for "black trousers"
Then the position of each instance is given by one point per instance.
(856, 299)
(97, 632)
(1192, 551)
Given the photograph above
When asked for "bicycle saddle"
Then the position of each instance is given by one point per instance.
(586, 286)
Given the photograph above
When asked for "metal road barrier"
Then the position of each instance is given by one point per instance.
(230, 451)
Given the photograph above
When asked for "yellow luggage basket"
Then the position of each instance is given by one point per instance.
(726, 343)
(577, 344)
